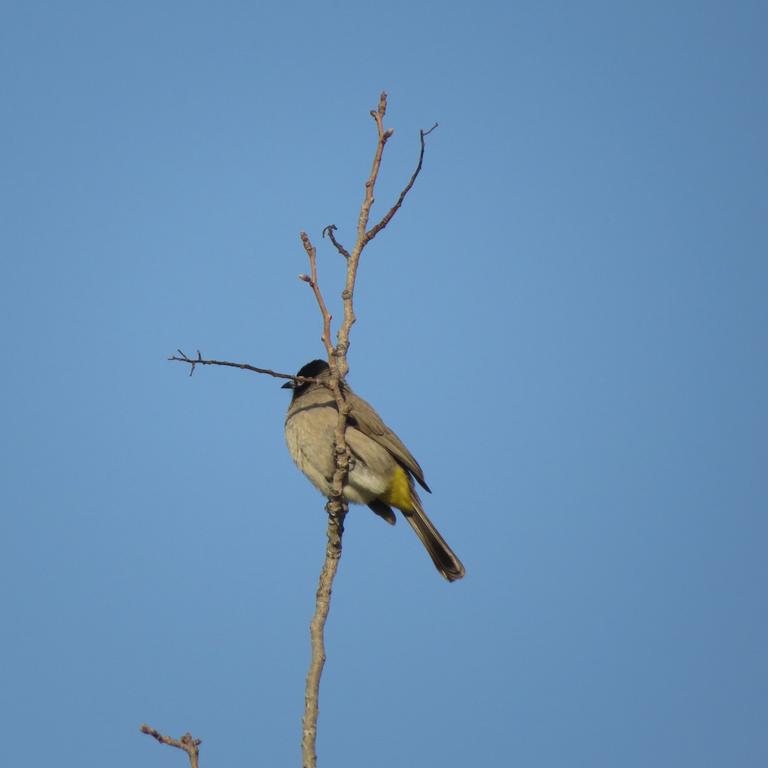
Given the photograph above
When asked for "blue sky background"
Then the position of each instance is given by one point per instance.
(578, 278)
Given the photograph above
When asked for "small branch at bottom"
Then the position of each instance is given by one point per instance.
(187, 743)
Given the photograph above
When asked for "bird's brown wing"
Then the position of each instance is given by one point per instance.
(365, 418)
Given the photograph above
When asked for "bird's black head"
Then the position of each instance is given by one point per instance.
(310, 370)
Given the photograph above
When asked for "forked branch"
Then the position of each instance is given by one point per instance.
(187, 743)
(393, 210)
(337, 361)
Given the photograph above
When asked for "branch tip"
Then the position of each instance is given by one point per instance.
(188, 743)
(371, 233)
(183, 358)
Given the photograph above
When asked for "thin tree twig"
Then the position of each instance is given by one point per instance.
(330, 229)
(187, 743)
(313, 284)
(193, 361)
(393, 210)
(342, 338)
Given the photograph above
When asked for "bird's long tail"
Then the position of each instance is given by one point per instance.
(442, 555)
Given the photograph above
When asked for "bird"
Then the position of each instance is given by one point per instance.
(382, 470)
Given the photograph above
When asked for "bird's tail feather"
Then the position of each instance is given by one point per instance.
(442, 555)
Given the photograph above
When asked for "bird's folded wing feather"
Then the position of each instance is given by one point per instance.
(369, 423)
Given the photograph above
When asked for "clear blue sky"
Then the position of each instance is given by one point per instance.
(579, 279)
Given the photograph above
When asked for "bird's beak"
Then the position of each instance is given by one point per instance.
(289, 385)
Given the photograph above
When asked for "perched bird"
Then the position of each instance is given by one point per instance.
(382, 469)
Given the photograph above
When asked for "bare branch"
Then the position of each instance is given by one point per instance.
(337, 505)
(317, 632)
(193, 361)
(393, 210)
(337, 509)
(187, 743)
(312, 280)
(330, 229)
(342, 338)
